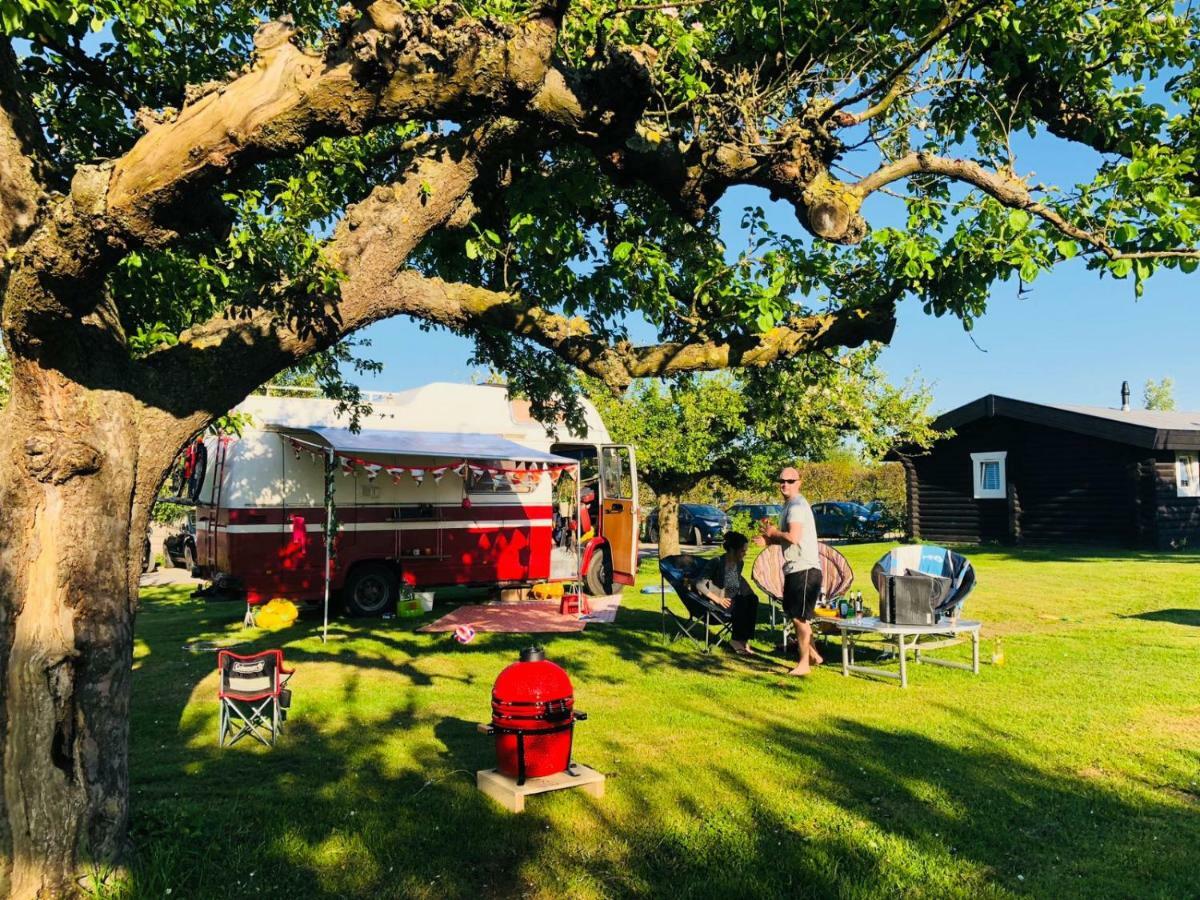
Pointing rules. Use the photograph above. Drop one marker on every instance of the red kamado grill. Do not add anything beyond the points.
(533, 717)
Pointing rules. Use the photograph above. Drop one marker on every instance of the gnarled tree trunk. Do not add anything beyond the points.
(71, 533)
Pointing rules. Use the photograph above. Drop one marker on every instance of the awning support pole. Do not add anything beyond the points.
(329, 535)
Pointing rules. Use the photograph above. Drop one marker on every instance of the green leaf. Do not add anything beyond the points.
(622, 251)
(1018, 219)
(1121, 268)
(1067, 249)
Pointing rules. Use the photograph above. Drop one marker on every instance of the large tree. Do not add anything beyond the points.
(743, 429)
(192, 201)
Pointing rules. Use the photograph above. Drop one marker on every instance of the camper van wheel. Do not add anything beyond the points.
(371, 590)
(597, 580)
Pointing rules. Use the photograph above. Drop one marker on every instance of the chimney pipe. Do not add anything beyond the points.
(1124, 396)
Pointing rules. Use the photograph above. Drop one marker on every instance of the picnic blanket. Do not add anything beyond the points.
(507, 618)
(604, 609)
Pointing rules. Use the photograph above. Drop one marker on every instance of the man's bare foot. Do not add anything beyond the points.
(815, 658)
(739, 646)
(801, 670)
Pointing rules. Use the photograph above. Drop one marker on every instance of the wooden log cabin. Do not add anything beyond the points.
(1019, 472)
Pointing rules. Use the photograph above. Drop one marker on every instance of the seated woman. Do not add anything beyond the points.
(724, 585)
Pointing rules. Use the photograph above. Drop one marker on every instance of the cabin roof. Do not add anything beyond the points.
(1149, 428)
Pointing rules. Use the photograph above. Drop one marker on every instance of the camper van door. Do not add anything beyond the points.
(618, 508)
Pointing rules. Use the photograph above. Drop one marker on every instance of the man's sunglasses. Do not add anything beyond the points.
(788, 480)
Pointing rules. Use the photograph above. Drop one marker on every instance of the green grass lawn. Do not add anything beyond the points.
(1069, 771)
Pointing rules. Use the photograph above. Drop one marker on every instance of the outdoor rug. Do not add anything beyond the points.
(604, 609)
(507, 618)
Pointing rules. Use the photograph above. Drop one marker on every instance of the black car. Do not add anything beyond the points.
(698, 524)
(180, 547)
(841, 518)
(757, 512)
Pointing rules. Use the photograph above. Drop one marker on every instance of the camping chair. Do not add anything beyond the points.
(836, 580)
(953, 570)
(682, 572)
(252, 695)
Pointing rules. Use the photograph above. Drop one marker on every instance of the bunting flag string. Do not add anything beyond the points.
(519, 473)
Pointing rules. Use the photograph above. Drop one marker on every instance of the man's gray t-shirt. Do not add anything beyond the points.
(802, 556)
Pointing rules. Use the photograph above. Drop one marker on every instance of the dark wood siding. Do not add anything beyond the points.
(1062, 487)
(1176, 519)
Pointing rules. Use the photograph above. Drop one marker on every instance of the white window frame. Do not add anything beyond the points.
(977, 460)
(1187, 474)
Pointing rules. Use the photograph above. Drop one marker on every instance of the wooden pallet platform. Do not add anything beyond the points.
(511, 796)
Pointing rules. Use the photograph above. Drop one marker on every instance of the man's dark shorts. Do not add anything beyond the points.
(800, 593)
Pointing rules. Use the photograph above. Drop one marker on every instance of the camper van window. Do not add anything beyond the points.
(617, 479)
(485, 483)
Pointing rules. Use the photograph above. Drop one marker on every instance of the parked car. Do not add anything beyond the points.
(756, 511)
(180, 547)
(840, 518)
(698, 524)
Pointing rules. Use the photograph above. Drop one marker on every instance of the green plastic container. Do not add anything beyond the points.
(409, 607)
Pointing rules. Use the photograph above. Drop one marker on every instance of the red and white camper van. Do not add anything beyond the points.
(431, 521)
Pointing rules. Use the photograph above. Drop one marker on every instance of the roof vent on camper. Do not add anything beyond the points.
(1124, 396)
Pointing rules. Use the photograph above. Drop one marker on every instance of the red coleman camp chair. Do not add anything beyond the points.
(836, 579)
(253, 698)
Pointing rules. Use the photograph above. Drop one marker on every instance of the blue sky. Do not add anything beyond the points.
(1072, 338)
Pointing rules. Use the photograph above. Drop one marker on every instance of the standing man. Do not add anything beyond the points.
(797, 535)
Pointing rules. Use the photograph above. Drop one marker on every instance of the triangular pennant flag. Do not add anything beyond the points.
(417, 474)
(395, 472)
(555, 474)
(372, 469)
(347, 465)
(439, 473)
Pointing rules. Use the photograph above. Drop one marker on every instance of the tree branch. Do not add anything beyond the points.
(21, 152)
(894, 80)
(1009, 190)
(389, 65)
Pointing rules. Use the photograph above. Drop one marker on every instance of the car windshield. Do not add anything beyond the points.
(856, 509)
(708, 512)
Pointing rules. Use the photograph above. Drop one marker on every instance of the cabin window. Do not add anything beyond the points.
(989, 477)
(1187, 478)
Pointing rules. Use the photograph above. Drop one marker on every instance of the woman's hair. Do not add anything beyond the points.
(734, 540)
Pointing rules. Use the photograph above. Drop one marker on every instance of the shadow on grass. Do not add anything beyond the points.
(1174, 616)
(857, 810)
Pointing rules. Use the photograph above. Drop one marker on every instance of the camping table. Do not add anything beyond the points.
(906, 637)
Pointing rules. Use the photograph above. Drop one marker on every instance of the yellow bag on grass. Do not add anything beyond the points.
(276, 614)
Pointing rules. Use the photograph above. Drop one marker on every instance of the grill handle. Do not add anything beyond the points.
(580, 716)
(485, 728)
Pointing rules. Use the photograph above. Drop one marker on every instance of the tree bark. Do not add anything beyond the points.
(71, 527)
(668, 524)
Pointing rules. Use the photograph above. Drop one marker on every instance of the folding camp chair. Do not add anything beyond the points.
(253, 696)
(836, 580)
(682, 572)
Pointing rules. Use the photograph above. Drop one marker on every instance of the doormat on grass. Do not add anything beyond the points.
(507, 618)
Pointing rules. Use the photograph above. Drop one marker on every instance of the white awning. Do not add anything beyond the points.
(448, 445)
